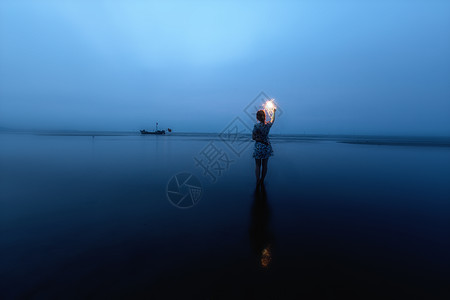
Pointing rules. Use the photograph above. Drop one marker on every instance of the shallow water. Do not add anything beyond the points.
(85, 216)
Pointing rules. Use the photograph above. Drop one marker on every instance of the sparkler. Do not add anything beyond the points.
(270, 107)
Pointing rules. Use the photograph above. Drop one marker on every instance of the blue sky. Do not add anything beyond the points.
(364, 67)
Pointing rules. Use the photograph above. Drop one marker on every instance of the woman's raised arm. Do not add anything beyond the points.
(273, 116)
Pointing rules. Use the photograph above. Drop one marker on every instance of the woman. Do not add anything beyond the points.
(263, 149)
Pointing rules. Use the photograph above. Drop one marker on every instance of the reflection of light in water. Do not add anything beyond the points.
(266, 257)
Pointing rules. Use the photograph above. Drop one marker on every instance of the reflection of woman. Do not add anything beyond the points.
(260, 236)
(263, 149)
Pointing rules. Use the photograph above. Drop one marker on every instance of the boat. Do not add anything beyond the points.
(143, 131)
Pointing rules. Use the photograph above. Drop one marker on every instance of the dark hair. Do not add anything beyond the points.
(261, 116)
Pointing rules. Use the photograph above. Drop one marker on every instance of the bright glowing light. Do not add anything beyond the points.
(270, 107)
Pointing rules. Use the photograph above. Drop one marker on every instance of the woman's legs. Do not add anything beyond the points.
(257, 169)
(264, 169)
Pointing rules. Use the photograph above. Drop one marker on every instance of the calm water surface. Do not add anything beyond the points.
(89, 217)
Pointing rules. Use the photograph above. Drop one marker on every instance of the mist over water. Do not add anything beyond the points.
(353, 67)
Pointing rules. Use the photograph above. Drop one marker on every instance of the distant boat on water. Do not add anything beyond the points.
(143, 131)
